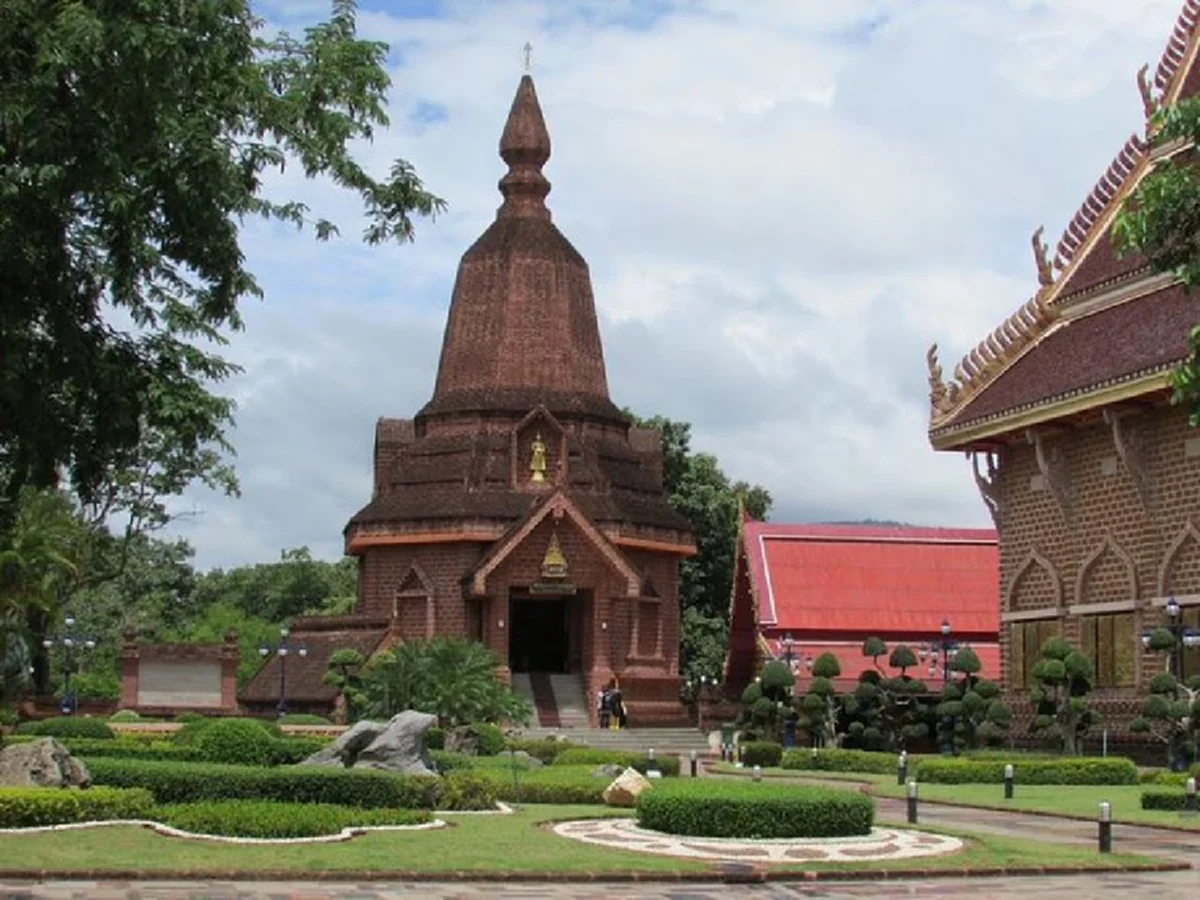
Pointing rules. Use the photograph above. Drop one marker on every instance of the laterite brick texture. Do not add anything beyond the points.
(1109, 546)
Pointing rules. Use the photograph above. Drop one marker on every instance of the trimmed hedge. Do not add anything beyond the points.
(68, 727)
(435, 738)
(265, 819)
(172, 782)
(552, 784)
(31, 807)
(596, 756)
(762, 753)
(1168, 800)
(1027, 770)
(467, 790)
(123, 748)
(837, 760)
(445, 761)
(125, 715)
(715, 808)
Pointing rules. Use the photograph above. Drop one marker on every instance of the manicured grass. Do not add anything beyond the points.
(1063, 800)
(1069, 800)
(476, 843)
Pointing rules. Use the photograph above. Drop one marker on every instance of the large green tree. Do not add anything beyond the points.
(1161, 220)
(701, 491)
(135, 138)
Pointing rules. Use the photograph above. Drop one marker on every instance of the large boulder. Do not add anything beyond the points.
(41, 763)
(350, 743)
(624, 791)
(401, 746)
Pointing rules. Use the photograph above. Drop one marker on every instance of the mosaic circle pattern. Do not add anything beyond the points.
(880, 844)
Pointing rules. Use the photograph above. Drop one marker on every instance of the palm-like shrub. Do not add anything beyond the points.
(451, 678)
(971, 711)
(1062, 679)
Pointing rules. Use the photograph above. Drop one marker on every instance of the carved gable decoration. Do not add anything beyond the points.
(556, 508)
(539, 451)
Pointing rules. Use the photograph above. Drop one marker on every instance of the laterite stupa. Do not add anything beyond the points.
(519, 507)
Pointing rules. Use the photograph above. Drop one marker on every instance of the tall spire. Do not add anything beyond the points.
(522, 329)
(525, 146)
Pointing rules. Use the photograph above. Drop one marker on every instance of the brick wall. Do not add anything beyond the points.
(1112, 543)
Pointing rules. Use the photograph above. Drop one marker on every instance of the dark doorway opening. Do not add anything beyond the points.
(537, 639)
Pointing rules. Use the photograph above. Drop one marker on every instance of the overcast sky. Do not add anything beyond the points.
(783, 203)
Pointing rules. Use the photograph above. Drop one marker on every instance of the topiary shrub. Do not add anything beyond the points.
(596, 756)
(489, 737)
(125, 715)
(762, 753)
(1032, 770)
(715, 808)
(237, 742)
(445, 761)
(465, 789)
(295, 749)
(68, 727)
(173, 782)
(33, 807)
(266, 819)
(189, 717)
(435, 739)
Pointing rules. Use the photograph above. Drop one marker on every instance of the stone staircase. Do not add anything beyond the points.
(663, 740)
(570, 701)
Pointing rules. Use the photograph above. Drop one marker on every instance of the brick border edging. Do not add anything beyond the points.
(865, 787)
(732, 874)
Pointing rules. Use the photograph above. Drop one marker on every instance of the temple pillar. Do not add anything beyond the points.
(129, 669)
(496, 627)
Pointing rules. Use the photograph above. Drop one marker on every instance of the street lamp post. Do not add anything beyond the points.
(72, 644)
(282, 649)
(947, 648)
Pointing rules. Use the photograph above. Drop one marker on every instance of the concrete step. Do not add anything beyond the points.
(570, 700)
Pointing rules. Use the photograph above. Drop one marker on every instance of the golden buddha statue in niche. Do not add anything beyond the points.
(537, 459)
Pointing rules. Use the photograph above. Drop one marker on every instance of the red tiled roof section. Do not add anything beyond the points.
(1114, 343)
(864, 580)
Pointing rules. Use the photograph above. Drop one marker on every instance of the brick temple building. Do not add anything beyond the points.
(804, 590)
(1063, 412)
(518, 507)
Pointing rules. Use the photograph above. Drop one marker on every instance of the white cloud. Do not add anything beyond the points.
(783, 204)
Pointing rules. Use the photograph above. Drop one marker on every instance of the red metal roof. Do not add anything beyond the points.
(830, 581)
(853, 663)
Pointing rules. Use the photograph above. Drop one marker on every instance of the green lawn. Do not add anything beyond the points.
(1070, 800)
(1065, 800)
(519, 842)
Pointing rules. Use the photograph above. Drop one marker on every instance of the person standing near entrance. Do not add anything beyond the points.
(604, 706)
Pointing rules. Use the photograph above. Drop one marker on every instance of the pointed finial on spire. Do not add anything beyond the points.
(528, 51)
(525, 146)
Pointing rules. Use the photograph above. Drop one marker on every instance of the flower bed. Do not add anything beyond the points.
(717, 808)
